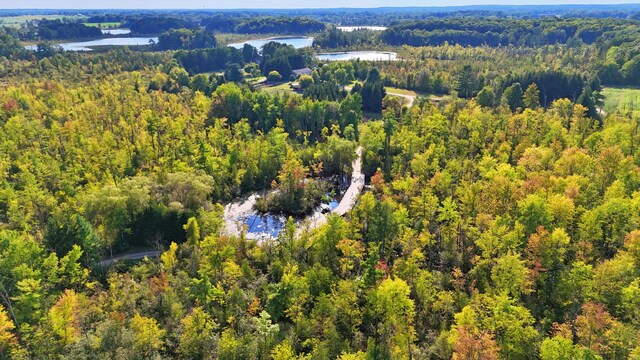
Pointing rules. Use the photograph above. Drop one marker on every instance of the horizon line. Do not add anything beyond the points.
(339, 8)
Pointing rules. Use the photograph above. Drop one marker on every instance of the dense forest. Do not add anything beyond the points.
(500, 217)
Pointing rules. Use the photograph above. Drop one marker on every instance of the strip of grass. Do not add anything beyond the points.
(393, 90)
(104, 25)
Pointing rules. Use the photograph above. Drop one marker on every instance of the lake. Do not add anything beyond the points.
(116, 31)
(362, 55)
(86, 45)
(354, 28)
(297, 42)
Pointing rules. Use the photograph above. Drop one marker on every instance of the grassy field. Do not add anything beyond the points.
(17, 21)
(621, 99)
(105, 25)
(278, 89)
(393, 90)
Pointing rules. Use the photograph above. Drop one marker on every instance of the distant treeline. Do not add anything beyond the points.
(57, 29)
(186, 39)
(553, 84)
(282, 58)
(333, 38)
(263, 25)
(275, 57)
(156, 24)
(10, 47)
(106, 18)
(225, 23)
(475, 31)
(207, 60)
(468, 31)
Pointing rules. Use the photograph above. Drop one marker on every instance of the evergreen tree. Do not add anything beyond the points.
(588, 100)
(465, 82)
(512, 96)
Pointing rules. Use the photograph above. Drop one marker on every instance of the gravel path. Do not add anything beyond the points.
(348, 200)
(133, 256)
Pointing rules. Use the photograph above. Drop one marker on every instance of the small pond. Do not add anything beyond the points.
(297, 42)
(270, 225)
(86, 45)
(116, 31)
(362, 55)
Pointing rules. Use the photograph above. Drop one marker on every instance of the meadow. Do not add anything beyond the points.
(621, 99)
(17, 21)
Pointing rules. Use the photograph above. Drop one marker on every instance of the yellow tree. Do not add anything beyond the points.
(9, 346)
(148, 336)
(65, 318)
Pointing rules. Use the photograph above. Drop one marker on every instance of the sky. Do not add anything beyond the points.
(271, 4)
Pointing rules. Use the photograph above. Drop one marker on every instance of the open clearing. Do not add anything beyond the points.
(17, 21)
(279, 89)
(621, 99)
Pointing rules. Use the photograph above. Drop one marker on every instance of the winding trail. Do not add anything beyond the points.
(133, 256)
(411, 98)
(348, 200)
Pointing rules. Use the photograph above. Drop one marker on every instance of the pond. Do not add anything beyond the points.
(297, 42)
(116, 31)
(86, 45)
(354, 28)
(264, 226)
(241, 214)
(362, 55)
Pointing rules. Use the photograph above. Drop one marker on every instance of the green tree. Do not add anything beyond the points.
(274, 76)
(531, 98)
(588, 100)
(67, 229)
(197, 338)
(148, 337)
(486, 97)
(233, 72)
(465, 83)
(513, 96)
(559, 348)
(265, 329)
(392, 307)
(305, 81)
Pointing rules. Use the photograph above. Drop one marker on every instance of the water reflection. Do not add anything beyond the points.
(297, 42)
(362, 55)
(269, 225)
